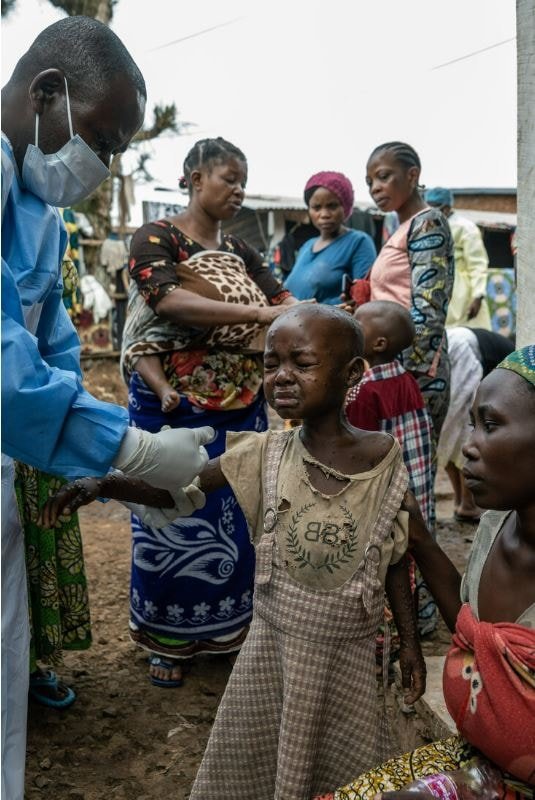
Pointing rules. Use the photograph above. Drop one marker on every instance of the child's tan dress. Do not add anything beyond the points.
(300, 712)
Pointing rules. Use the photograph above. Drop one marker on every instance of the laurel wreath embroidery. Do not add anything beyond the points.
(332, 560)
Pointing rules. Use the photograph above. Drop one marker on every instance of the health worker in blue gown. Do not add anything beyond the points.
(74, 99)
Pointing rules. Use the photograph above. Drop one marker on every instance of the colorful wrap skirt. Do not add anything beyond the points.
(193, 579)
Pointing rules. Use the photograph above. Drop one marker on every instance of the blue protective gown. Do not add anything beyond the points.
(48, 420)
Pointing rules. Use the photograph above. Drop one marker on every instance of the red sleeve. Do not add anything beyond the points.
(364, 412)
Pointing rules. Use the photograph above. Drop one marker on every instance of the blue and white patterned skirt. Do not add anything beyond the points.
(193, 579)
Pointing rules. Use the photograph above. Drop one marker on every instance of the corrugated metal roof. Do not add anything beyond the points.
(266, 202)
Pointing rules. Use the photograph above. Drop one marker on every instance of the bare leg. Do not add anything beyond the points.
(455, 477)
(468, 507)
(150, 369)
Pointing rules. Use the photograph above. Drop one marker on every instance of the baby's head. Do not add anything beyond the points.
(387, 328)
(500, 453)
(313, 355)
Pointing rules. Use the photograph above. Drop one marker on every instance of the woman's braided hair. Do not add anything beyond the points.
(403, 153)
(206, 152)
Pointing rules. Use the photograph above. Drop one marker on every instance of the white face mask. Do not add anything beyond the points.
(66, 177)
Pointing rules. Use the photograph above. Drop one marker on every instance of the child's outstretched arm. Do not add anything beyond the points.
(134, 493)
(440, 575)
(411, 659)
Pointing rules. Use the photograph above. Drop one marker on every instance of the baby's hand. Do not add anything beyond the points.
(68, 500)
(413, 672)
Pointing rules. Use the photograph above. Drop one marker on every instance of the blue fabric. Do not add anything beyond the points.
(319, 275)
(49, 420)
(439, 196)
(194, 578)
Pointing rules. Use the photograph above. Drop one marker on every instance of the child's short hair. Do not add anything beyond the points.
(393, 321)
(350, 337)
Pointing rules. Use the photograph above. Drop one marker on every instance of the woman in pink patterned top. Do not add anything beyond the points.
(414, 268)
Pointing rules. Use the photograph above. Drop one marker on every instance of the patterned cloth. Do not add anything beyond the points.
(415, 268)
(522, 362)
(157, 249)
(388, 398)
(502, 300)
(212, 367)
(442, 756)
(193, 579)
(300, 710)
(57, 586)
(455, 752)
(489, 689)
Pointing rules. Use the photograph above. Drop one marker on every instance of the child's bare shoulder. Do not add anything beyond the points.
(372, 446)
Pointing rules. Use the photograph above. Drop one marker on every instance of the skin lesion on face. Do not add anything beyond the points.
(307, 372)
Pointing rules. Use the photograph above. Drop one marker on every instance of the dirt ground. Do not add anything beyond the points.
(123, 737)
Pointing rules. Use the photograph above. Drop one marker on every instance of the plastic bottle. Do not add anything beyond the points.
(479, 780)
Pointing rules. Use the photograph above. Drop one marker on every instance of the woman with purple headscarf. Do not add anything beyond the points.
(323, 261)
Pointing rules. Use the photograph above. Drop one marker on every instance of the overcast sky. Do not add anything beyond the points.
(309, 85)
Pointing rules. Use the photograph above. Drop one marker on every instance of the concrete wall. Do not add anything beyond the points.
(487, 202)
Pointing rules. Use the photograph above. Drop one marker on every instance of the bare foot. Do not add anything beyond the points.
(170, 400)
(471, 514)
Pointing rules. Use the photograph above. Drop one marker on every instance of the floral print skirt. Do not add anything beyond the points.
(193, 579)
(441, 756)
(57, 586)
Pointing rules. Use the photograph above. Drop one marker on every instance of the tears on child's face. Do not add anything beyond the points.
(500, 453)
(303, 373)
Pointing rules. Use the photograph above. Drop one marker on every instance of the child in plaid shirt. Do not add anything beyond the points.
(388, 398)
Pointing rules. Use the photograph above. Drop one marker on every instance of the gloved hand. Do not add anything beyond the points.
(169, 459)
(186, 500)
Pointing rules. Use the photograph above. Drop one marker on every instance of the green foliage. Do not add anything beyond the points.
(7, 6)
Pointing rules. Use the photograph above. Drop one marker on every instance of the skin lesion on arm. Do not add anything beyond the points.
(118, 487)
(401, 602)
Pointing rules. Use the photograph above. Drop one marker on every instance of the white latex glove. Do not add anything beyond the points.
(169, 459)
(186, 500)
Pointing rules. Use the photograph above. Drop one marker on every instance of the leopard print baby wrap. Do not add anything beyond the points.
(212, 274)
